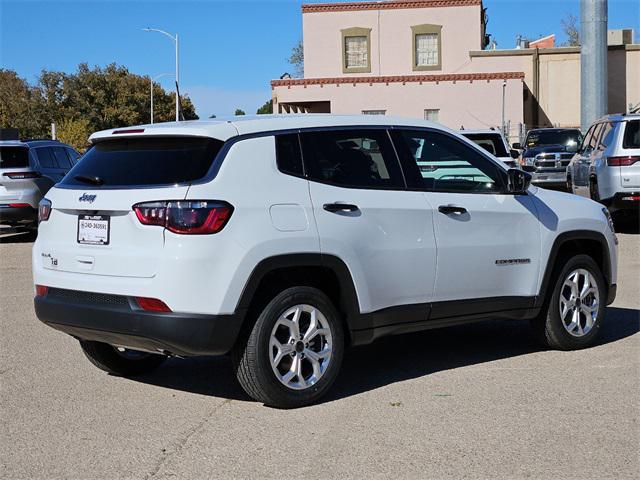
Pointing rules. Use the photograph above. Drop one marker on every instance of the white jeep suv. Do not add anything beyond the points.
(284, 240)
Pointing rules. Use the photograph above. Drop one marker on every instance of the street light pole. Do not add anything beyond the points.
(175, 41)
(152, 80)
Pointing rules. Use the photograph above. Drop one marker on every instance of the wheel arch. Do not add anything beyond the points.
(272, 275)
(570, 243)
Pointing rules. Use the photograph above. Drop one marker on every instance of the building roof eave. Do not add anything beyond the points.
(386, 5)
(445, 77)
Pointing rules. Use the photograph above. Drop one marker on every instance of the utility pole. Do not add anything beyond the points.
(593, 61)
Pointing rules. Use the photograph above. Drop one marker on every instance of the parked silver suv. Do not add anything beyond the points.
(28, 169)
(607, 166)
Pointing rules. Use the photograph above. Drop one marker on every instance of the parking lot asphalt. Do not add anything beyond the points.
(477, 401)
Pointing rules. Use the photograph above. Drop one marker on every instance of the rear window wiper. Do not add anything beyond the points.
(90, 180)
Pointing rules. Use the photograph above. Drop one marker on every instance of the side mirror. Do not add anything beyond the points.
(517, 146)
(514, 154)
(518, 181)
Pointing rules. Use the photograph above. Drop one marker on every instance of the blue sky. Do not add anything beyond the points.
(230, 50)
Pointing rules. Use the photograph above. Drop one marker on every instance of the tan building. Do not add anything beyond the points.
(425, 59)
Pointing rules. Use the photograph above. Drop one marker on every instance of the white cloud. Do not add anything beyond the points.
(223, 102)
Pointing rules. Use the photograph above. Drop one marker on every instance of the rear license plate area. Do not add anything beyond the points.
(94, 229)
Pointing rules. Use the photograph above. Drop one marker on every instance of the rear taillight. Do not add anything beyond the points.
(19, 205)
(21, 175)
(41, 290)
(152, 304)
(622, 161)
(189, 217)
(44, 210)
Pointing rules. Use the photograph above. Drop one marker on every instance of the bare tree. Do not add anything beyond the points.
(297, 59)
(570, 28)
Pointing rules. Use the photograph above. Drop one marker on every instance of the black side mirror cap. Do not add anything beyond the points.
(514, 153)
(517, 146)
(518, 180)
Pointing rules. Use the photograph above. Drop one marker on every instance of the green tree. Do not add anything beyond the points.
(21, 106)
(239, 112)
(266, 108)
(74, 132)
(296, 59)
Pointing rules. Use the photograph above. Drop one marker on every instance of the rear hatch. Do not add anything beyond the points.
(93, 228)
(630, 160)
(15, 175)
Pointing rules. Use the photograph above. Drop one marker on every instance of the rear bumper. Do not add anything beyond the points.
(121, 324)
(623, 201)
(18, 215)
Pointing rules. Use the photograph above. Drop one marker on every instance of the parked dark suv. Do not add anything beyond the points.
(547, 153)
(28, 169)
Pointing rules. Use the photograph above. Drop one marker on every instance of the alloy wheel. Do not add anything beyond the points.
(300, 347)
(579, 302)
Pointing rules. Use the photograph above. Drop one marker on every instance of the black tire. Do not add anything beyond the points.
(549, 327)
(107, 358)
(251, 358)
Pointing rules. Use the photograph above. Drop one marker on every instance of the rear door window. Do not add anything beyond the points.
(146, 161)
(14, 157)
(631, 135)
(61, 157)
(46, 158)
(73, 155)
(288, 154)
(352, 158)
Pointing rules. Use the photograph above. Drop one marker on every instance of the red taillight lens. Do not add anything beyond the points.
(152, 304)
(41, 290)
(44, 210)
(152, 213)
(19, 205)
(187, 217)
(21, 175)
(622, 161)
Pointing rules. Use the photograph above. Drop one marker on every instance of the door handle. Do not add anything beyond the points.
(449, 209)
(340, 207)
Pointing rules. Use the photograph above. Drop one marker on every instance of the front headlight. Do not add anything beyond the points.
(607, 214)
(527, 161)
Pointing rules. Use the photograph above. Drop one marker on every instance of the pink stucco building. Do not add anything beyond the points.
(426, 59)
(408, 58)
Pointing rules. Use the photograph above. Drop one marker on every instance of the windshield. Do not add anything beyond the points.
(145, 161)
(14, 157)
(571, 139)
(491, 142)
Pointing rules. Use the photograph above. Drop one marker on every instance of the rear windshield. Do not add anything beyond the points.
(14, 157)
(632, 135)
(491, 142)
(145, 161)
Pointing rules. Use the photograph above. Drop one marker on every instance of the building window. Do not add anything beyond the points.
(431, 114)
(356, 50)
(427, 47)
(374, 112)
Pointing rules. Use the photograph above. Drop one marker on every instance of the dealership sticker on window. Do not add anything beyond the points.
(93, 229)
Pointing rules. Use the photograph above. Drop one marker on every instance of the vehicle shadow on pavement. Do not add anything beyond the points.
(8, 235)
(392, 359)
(628, 224)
